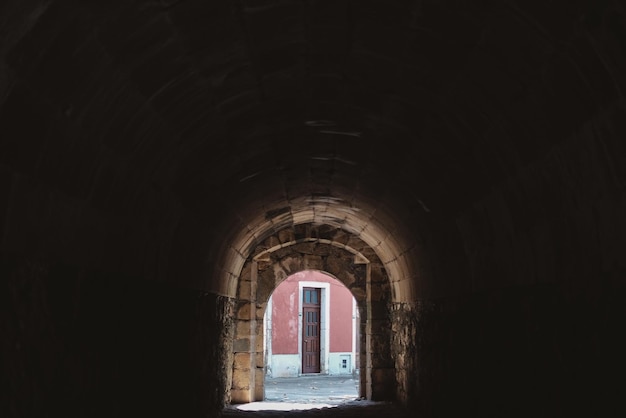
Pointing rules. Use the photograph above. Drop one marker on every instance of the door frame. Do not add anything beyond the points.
(324, 315)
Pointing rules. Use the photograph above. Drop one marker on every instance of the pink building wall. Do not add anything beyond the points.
(285, 305)
(285, 317)
(340, 317)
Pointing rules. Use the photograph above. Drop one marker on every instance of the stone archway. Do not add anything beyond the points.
(343, 256)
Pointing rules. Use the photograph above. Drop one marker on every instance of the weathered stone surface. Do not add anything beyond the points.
(242, 361)
(242, 344)
(312, 262)
(245, 310)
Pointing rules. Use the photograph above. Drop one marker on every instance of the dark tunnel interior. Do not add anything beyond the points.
(460, 166)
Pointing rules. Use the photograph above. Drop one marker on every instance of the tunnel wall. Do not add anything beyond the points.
(527, 322)
(80, 343)
(538, 332)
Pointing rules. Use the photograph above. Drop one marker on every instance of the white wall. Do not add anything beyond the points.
(335, 363)
(284, 365)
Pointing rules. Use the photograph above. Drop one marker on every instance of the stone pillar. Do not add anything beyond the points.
(245, 344)
(380, 375)
(259, 362)
(404, 342)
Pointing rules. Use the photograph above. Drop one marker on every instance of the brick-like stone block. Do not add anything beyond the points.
(245, 275)
(260, 313)
(377, 275)
(285, 235)
(259, 388)
(321, 250)
(242, 361)
(242, 328)
(291, 264)
(259, 344)
(272, 241)
(314, 262)
(245, 290)
(241, 378)
(305, 248)
(260, 359)
(241, 345)
(242, 395)
(244, 311)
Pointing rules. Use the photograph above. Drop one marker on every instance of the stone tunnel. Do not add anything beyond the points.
(459, 165)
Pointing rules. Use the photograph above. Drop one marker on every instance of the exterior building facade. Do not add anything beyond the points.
(311, 327)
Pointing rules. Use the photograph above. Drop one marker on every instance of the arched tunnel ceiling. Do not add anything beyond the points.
(368, 115)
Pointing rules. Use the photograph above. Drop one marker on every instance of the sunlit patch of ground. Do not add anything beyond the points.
(281, 406)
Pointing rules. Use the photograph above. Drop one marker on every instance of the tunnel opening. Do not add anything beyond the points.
(311, 306)
(356, 269)
(311, 329)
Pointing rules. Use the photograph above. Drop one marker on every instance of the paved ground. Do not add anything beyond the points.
(312, 389)
(313, 396)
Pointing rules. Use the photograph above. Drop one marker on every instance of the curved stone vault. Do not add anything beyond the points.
(460, 164)
(339, 254)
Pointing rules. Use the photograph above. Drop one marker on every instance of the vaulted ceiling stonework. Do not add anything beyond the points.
(470, 154)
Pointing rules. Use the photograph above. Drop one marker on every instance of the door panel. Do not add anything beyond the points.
(311, 330)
